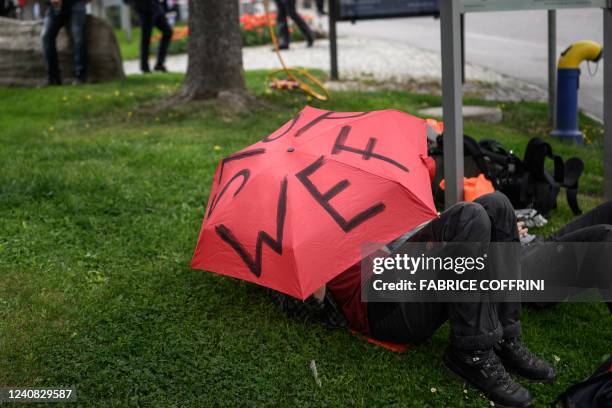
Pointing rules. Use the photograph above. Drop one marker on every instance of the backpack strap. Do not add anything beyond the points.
(573, 170)
(536, 153)
(559, 172)
(566, 174)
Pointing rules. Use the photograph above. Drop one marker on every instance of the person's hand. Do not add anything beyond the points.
(523, 230)
(320, 293)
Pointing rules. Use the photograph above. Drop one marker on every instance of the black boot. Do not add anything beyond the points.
(310, 41)
(52, 81)
(484, 370)
(523, 362)
(160, 67)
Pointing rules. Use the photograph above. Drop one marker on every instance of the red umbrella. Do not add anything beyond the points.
(296, 209)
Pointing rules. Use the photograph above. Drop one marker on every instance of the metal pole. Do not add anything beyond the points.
(450, 26)
(333, 39)
(552, 67)
(607, 37)
(463, 48)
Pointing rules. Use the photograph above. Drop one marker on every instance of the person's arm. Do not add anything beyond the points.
(320, 294)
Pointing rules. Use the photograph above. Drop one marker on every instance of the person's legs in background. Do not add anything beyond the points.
(53, 22)
(283, 25)
(575, 267)
(299, 21)
(601, 214)
(162, 24)
(146, 26)
(320, 7)
(78, 29)
(541, 260)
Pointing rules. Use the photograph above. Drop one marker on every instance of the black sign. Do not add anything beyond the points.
(373, 9)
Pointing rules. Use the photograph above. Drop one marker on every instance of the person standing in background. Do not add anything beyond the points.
(58, 14)
(152, 13)
(320, 7)
(284, 8)
(7, 8)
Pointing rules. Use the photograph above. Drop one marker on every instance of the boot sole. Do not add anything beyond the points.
(530, 380)
(449, 365)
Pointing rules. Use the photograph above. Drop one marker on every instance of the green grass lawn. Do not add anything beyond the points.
(101, 201)
(129, 49)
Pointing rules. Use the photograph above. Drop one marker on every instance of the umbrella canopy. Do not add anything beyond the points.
(294, 210)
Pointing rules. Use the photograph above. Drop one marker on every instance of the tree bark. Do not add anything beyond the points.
(215, 50)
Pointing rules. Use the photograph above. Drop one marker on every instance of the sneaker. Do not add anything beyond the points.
(484, 370)
(517, 358)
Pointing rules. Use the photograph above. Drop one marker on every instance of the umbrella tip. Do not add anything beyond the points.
(291, 149)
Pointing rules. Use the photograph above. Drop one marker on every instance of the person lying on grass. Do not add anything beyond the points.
(485, 337)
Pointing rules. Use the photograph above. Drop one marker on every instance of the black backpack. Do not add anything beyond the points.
(526, 182)
(594, 392)
(539, 188)
(474, 163)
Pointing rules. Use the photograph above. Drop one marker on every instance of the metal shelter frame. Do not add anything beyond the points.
(452, 103)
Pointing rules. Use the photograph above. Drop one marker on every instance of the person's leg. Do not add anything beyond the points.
(283, 26)
(592, 269)
(78, 29)
(599, 215)
(162, 24)
(510, 349)
(302, 25)
(320, 7)
(504, 229)
(146, 26)
(53, 22)
(574, 267)
(475, 326)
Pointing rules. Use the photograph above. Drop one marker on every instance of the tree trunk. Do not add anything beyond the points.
(215, 49)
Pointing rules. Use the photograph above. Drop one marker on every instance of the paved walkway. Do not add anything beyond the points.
(378, 60)
(512, 43)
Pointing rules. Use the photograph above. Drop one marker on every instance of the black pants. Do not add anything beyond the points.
(287, 8)
(320, 6)
(148, 20)
(551, 262)
(75, 13)
(474, 325)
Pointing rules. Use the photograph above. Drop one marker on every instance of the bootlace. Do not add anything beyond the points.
(493, 366)
(517, 346)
